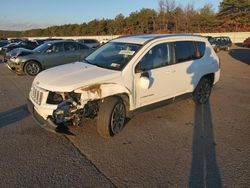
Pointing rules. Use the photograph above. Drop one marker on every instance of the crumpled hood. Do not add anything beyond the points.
(66, 78)
(19, 52)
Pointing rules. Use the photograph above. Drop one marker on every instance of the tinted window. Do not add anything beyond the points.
(158, 56)
(88, 41)
(201, 47)
(184, 51)
(82, 47)
(70, 46)
(55, 48)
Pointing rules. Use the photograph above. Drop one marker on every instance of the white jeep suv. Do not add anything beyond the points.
(122, 77)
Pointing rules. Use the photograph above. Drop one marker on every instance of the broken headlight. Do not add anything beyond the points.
(58, 97)
(54, 98)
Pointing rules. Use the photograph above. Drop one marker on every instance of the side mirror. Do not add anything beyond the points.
(138, 68)
(144, 80)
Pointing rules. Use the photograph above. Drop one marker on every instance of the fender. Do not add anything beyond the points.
(103, 90)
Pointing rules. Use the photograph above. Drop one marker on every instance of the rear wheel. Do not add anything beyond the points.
(111, 117)
(202, 91)
(32, 68)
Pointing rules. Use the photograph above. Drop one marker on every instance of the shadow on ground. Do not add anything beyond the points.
(204, 170)
(242, 54)
(13, 115)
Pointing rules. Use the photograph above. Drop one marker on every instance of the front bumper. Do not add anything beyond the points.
(17, 68)
(47, 124)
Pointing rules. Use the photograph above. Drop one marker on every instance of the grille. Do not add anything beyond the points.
(36, 95)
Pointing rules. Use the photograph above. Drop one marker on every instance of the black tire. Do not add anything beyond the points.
(202, 91)
(111, 117)
(32, 68)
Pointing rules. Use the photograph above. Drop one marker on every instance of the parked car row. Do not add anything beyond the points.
(31, 57)
(220, 43)
(49, 54)
(224, 43)
(8, 45)
(11, 44)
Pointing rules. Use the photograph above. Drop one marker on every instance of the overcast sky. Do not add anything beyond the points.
(27, 14)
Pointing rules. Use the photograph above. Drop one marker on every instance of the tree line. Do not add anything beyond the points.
(233, 16)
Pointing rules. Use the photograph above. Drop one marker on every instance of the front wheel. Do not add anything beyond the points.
(32, 68)
(202, 91)
(111, 117)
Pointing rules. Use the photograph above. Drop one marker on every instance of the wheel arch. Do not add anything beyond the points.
(125, 99)
(34, 60)
(209, 76)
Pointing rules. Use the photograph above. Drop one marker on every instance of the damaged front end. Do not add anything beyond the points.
(71, 108)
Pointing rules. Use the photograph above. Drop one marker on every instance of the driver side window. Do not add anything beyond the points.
(55, 48)
(156, 57)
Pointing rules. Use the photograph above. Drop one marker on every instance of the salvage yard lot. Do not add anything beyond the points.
(178, 145)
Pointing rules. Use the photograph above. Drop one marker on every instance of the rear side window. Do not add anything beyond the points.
(201, 47)
(70, 46)
(82, 47)
(89, 41)
(184, 51)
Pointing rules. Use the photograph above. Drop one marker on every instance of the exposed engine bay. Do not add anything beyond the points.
(71, 109)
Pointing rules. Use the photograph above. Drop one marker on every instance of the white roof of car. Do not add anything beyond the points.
(141, 39)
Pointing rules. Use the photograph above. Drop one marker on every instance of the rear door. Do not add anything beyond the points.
(72, 53)
(187, 66)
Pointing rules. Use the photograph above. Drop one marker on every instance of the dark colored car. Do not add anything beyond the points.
(3, 43)
(24, 44)
(41, 41)
(16, 40)
(221, 43)
(92, 43)
(47, 55)
(246, 42)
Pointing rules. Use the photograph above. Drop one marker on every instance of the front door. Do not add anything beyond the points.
(54, 55)
(157, 66)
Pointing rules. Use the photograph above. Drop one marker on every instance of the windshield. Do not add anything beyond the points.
(113, 55)
(42, 47)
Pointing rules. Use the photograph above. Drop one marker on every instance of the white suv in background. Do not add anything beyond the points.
(124, 76)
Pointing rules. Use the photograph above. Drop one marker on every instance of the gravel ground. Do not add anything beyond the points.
(178, 145)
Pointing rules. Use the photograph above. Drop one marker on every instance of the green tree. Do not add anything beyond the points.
(234, 15)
